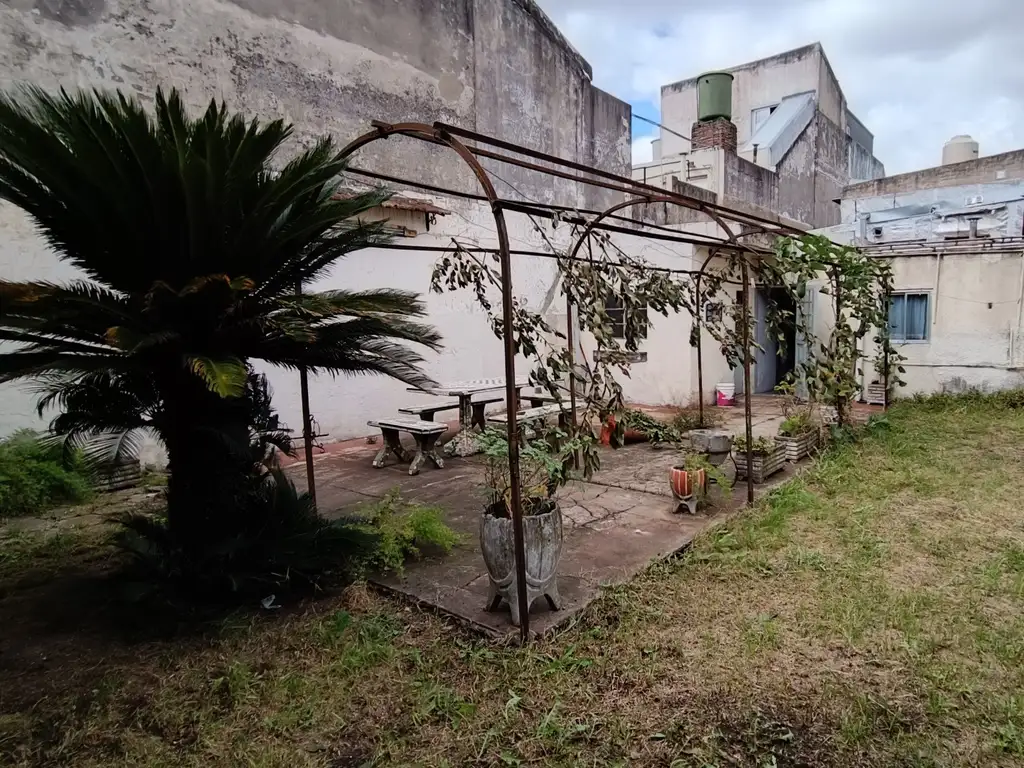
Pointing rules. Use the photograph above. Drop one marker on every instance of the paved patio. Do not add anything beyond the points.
(615, 525)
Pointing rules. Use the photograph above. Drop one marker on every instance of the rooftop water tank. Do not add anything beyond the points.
(959, 149)
(714, 96)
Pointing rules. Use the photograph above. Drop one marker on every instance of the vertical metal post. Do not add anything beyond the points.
(886, 348)
(748, 421)
(307, 424)
(569, 339)
(700, 353)
(837, 290)
(518, 536)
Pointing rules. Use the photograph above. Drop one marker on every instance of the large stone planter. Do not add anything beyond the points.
(688, 486)
(800, 445)
(713, 443)
(543, 539)
(764, 465)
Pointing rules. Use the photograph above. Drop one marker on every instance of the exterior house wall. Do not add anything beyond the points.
(975, 295)
(801, 186)
(974, 315)
(757, 84)
(496, 66)
(1007, 166)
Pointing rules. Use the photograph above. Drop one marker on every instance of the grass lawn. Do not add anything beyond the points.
(871, 613)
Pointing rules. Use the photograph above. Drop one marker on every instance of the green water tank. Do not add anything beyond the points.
(714, 96)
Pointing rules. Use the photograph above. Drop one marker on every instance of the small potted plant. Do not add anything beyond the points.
(769, 456)
(542, 470)
(798, 434)
(689, 480)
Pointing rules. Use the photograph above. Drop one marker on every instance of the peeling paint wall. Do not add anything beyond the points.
(974, 315)
(495, 66)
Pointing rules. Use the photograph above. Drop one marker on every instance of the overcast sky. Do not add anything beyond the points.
(916, 72)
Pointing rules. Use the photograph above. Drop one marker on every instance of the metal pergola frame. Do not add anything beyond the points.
(472, 147)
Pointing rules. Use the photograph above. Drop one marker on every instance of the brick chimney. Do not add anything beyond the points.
(714, 134)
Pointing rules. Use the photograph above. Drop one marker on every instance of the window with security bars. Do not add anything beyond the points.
(616, 309)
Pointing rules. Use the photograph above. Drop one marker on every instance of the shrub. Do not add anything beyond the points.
(760, 446)
(36, 475)
(279, 542)
(653, 429)
(402, 529)
(688, 418)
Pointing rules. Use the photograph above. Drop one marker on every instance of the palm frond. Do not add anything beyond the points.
(225, 376)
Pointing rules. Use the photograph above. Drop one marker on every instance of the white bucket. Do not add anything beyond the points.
(726, 393)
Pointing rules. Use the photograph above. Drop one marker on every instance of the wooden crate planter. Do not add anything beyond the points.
(799, 446)
(765, 465)
(875, 394)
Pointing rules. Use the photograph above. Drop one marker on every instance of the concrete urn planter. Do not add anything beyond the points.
(542, 535)
(715, 444)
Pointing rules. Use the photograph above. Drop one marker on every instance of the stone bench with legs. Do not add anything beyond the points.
(425, 433)
(426, 411)
(531, 416)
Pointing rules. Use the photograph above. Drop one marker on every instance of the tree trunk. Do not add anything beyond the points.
(209, 463)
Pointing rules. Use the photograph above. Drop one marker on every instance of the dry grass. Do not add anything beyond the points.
(868, 614)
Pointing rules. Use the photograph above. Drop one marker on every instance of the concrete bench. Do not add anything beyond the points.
(425, 433)
(538, 397)
(426, 411)
(532, 416)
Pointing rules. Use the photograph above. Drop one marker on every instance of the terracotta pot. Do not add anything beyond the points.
(687, 485)
(542, 536)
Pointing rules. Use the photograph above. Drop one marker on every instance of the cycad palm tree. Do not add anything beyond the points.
(192, 249)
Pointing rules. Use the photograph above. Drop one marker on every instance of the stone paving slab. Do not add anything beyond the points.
(614, 527)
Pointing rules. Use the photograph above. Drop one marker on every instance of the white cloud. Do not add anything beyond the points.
(916, 72)
(642, 151)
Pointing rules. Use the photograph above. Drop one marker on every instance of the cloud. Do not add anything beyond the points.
(642, 151)
(916, 72)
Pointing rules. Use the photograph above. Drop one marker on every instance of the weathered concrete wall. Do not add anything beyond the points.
(754, 184)
(830, 170)
(331, 67)
(756, 84)
(974, 334)
(974, 324)
(831, 100)
(497, 66)
(862, 165)
(994, 168)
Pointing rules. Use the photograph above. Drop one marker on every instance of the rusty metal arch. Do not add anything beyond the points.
(732, 244)
(438, 135)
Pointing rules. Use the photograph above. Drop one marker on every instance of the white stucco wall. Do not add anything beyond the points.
(343, 405)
